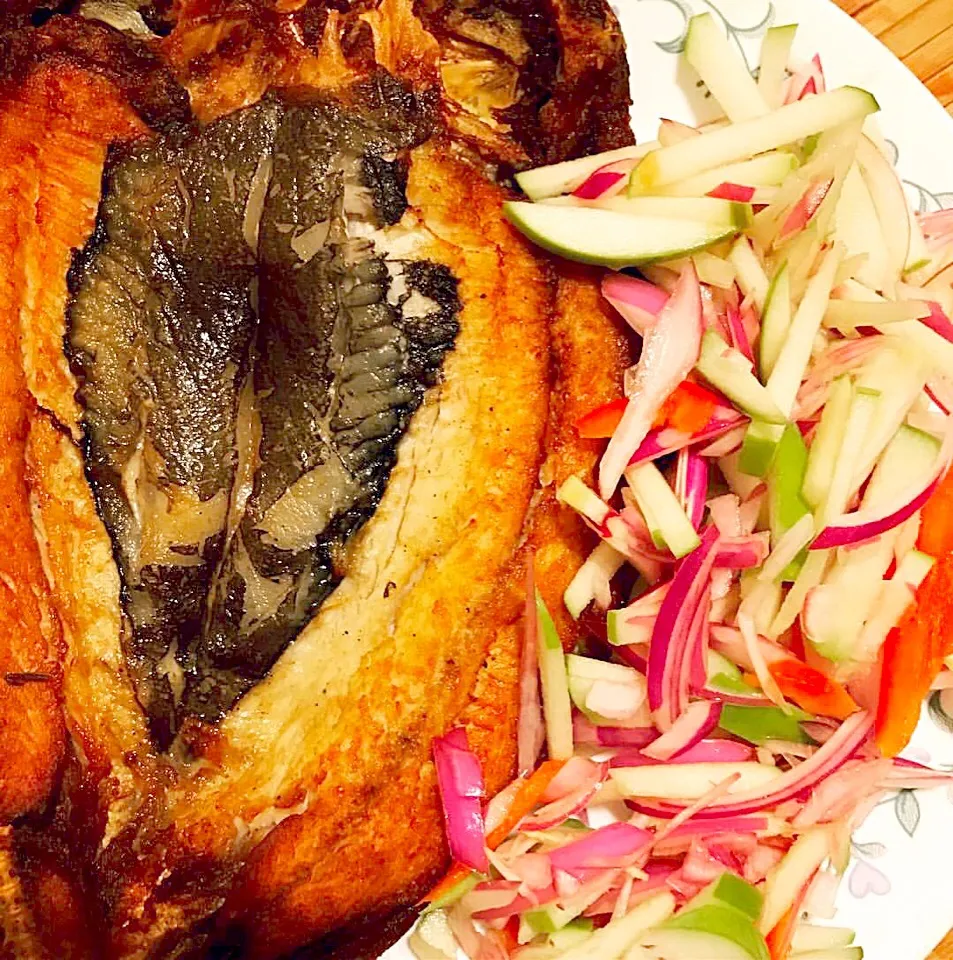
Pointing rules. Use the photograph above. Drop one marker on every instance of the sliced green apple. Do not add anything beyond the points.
(731, 891)
(811, 937)
(557, 709)
(730, 372)
(775, 321)
(835, 953)
(785, 480)
(775, 53)
(725, 928)
(740, 141)
(786, 880)
(689, 781)
(614, 939)
(661, 507)
(722, 69)
(759, 447)
(827, 442)
(709, 210)
(557, 178)
(764, 170)
(610, 238)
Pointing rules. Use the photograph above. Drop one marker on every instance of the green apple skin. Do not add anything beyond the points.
(759, 447)
(731, 891)
(720, 922)
(785, 480)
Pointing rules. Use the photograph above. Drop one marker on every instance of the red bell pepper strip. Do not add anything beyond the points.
(688, 410)
(913, 652)
(812, 689)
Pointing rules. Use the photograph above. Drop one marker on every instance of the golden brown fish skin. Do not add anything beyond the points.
(275, 888)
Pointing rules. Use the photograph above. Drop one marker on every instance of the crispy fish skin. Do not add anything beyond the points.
(241, 843)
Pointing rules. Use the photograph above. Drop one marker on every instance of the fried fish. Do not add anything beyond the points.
(285, 401)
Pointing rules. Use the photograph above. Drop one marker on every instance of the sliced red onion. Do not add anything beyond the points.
(730, 643)
(609, 846)
(577, 772)
(938, 321)
(661, 442)
(742, 553)
(632, 658)
(739, 336)
(698, 720)
(910, 775)
(693, 669)
(560, 810)
(669, 352)
(737, 192)
(867, 524)
(691, 485)
(531, 732)
(626, 736)
(637, 301)
(460, 780)
(716, 825)
(725, 444)
(672, 633)
(792, 783)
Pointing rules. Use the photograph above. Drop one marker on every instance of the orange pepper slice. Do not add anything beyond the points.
(812, 689)
(913, 652)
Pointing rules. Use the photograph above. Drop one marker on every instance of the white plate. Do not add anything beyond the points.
(898, 894)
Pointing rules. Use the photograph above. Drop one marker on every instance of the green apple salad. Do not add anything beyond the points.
(689, 779)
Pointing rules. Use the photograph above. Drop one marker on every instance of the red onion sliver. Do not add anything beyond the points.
(830, 757)
(669, 352)
(661, 442)
(672, 633)
(609, 846)
(691, 484)
(461, 787)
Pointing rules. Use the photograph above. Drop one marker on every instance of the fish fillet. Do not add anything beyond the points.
(281, 487)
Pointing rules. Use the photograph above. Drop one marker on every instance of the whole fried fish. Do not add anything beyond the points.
(285, 400)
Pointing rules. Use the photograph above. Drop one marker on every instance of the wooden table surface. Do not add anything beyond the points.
(920, 32)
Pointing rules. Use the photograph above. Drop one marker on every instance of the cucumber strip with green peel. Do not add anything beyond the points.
(722, 69)
(741, 141)
(557, 178)
(775, 321)
(792, 361)
(730, 372)
(775, 54)
(609, 238)
(662, 510)
(827, 441)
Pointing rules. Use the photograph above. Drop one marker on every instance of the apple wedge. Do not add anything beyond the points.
(610, 238)
(741, 141)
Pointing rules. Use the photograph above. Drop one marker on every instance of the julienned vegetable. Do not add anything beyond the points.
(769, 599)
